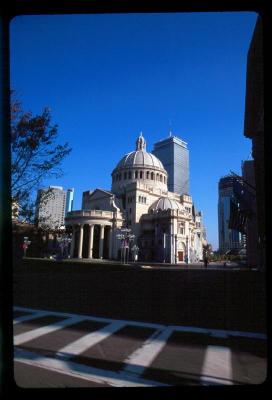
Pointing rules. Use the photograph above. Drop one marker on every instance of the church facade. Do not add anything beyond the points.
(165, 226)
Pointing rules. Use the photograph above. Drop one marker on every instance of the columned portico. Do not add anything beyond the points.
(93, 233)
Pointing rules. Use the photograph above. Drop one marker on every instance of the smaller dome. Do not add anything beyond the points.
(164, 203)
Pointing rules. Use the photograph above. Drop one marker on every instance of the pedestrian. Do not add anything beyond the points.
(205, 262)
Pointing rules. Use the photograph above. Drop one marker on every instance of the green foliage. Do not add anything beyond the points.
(35, 154)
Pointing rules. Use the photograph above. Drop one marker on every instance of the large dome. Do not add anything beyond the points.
(140, 158)
(164, 203)
(139, 166)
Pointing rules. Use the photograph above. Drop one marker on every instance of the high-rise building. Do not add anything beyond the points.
(254, 130)
(174, 155)
(248, 174)
(69, 200)
(229, 239)
(50, 207)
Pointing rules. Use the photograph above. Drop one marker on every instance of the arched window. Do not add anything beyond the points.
(160, 178)
(157, 178)
(147, 175)
(136, 174)
(129, 175)
(152, 176)
(125, 175)
(181, 229)
(141, 174)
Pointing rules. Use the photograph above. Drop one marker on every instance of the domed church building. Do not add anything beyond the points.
(166, 226)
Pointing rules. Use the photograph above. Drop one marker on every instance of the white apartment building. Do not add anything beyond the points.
(50, 207)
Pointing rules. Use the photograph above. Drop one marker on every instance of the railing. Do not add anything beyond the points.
(90, 213)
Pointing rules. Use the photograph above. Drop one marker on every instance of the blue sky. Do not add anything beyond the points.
(108, 77)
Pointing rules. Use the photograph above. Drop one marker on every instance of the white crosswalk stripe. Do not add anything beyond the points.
(35, 333)
(217, 366)
(143, 357)
(82, 344)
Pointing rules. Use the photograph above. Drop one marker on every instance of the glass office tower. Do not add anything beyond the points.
(69, 200)
(229, 239)
(174, 155)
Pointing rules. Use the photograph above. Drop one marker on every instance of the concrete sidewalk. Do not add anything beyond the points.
(146, 265)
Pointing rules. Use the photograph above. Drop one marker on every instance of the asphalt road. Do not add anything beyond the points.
(129, 326)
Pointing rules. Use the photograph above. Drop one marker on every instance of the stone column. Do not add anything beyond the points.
(101, 241)
(110, 242)
(90, 244)
(80, 241)
(72, 249)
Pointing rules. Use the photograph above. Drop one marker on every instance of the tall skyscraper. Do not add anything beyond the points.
(229, 239)
(50, 207)
(174, 155)
(254, 130)
(69, 200)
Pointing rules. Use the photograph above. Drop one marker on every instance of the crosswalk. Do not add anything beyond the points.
(133, 353)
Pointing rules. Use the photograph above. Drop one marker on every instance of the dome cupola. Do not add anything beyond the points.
(140, 143)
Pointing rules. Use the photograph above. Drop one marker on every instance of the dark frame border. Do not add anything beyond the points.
(35, 7)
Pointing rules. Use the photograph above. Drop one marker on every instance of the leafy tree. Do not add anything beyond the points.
(35, 155)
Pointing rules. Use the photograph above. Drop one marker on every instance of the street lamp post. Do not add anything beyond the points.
(135, 250)
(176, 248)
(164, 247)
(26, 244)
(126, 237)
